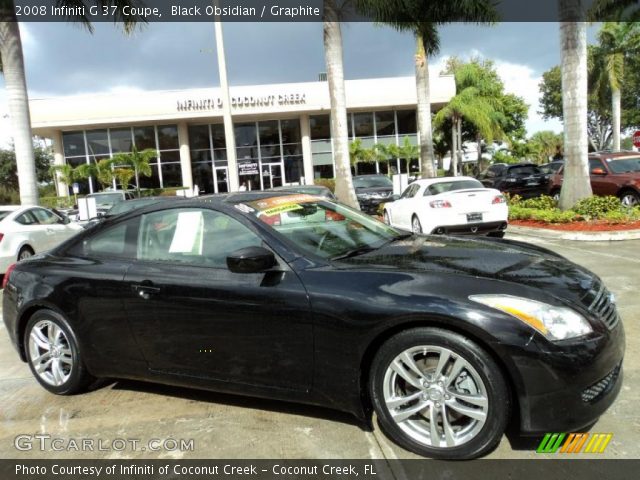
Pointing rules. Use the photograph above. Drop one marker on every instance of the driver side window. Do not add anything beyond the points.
(192, 236)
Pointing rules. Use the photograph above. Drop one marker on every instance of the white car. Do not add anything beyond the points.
(449, 205)
(25, 231)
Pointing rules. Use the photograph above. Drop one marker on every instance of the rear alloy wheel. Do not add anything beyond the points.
(439, 394)
(630, 199)
(53, 354)
(416, 227)
(24, 253)
(385, 217)
(556, 195)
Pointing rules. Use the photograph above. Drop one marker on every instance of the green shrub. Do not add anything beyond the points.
(512, 199)
(9, 196)
(543, 202)
(57, 202)
(597, 207)
(552, 215)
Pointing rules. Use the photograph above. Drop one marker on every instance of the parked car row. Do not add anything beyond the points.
(611, 173)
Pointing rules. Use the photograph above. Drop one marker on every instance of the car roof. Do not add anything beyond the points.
(614, 154)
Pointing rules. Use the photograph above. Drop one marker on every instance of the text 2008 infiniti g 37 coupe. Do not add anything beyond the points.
(297, 298)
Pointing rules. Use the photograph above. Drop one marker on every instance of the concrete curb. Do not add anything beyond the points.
(578, 236)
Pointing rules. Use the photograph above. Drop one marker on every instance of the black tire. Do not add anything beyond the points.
(555, 195)
(416, 226)
(25, 252)
(486, 434)
(496, 234)
(76, 376)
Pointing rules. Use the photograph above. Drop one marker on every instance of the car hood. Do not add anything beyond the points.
(500, 260)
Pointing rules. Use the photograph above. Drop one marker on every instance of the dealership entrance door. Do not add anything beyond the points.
(271, 175)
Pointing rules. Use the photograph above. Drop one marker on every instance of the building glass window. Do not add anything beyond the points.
(145, 137)
(406, 122)
(319, 127)
(98, 142)
(121, 140)
(73, 143)
(246, 141)
(363, 124)
(199, 137)
(171, 169)
(385, 124)
(269, 141)
(168, 137)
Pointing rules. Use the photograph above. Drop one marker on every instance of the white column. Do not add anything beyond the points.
(307, 157)
(58, 159)
(185, 155)
(232, 171)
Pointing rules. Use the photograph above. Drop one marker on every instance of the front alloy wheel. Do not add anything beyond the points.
(438, 394)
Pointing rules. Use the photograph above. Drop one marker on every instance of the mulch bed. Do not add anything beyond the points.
(594, 226)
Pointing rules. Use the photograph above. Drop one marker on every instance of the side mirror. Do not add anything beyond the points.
(598, 171)
(66, 220)
(394, 197)
(251, 260)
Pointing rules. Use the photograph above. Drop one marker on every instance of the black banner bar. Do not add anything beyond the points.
(543, 468)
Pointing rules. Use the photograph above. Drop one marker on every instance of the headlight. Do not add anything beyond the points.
(555, 323)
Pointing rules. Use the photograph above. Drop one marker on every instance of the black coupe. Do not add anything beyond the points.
(297, 298)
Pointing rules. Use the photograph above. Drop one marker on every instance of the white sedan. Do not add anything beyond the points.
(449, 205)
(25, 231)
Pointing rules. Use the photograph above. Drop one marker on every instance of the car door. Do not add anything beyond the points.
(600, 184)
(402, 208)
(56, 231)
(31, 232)
(192, 316)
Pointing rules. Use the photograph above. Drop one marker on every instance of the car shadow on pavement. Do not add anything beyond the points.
(255, 403)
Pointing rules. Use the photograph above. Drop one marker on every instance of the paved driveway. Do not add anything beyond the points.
(225, 426)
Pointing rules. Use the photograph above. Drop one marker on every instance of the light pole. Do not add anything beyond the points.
(230, 139)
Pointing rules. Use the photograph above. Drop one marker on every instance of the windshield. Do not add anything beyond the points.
(442, 187)
(321, 227)
(372, 182)
(624, 165)
(106, 199)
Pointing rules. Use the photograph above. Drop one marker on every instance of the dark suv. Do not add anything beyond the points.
(524, 179)
(615, 174)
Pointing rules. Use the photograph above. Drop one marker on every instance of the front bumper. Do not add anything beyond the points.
(569, 387)
(370, 205)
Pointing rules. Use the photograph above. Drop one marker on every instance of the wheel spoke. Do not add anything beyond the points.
(39, 339)
(479, 415)
(54, 332)
(396, 402)
(402, 415)
(433, 426)
(42, 358)
(56, 370)
(41, 367)
(442, 363)
(399, 367)
(449, 434)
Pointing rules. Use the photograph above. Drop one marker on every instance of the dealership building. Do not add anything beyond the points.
(282, 132)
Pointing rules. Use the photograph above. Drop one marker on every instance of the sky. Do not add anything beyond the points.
(64, 59)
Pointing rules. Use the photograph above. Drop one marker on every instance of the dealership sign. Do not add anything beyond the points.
(242, 101)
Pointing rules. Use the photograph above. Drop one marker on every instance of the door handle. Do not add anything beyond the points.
(145, 291)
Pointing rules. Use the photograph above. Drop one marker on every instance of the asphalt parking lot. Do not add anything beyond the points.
(223, 426)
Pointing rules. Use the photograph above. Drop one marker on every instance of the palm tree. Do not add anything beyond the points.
(617, 41)
(423, 18)
(478, 102)
(332, 35)
(65, 174)
(16, 85)
(123, 175)
(139, 161)
(630, 9)
(576, 183)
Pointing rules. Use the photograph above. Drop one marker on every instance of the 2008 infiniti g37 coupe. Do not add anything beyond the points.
(298, 298)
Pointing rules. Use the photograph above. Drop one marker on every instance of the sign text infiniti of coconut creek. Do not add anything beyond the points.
(246, 101)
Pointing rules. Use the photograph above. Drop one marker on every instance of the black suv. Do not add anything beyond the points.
(524, 179)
